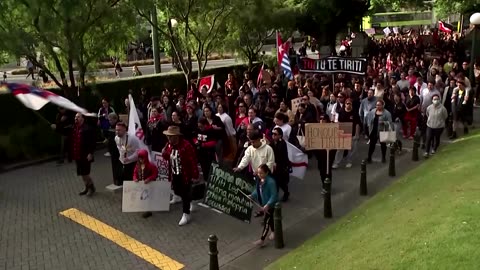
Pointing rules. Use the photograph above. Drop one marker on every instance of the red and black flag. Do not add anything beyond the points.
(445, 27)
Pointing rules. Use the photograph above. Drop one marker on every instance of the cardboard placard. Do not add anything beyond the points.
(328, 136)
(123, 118)
(141, 197)
(162, 166)
(295, 103)
(224, 193)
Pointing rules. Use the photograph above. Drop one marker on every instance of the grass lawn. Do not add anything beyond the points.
(428, 219)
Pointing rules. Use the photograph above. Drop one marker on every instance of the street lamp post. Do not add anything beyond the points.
(155, 42)
(475, 20)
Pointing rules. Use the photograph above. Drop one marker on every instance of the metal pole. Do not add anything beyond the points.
(277, 219)
(213, 252)
(472, 55)
(327, 200)
(363, 179)
(155, 43)
(391, 167)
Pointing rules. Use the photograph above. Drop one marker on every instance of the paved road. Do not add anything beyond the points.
(146, 70)
(35, 236)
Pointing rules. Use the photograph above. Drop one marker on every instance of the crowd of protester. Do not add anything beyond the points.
(245, 125)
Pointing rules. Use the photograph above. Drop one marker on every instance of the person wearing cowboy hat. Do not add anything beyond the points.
(183, 169)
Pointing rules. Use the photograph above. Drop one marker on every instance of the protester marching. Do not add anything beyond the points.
(236, 145)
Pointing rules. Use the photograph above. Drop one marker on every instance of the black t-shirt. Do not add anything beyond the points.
(351, 116)
(412, 102)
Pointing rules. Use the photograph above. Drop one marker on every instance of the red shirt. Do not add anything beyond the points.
(77, 141)
(188, 160)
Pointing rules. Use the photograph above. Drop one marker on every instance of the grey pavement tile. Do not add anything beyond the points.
(31, 228)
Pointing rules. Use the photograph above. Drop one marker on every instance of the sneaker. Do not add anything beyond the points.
(271, 236)
(107, 154)
(425, 155)
(175, 199)
(259, 243)
(349, 165)
(185, 219)
(335, 166)
(192, 207)
(432, 152)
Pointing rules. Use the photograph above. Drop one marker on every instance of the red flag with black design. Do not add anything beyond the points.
(445, 27)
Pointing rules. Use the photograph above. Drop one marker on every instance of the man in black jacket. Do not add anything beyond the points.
(83, 147)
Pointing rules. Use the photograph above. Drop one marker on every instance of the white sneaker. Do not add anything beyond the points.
(107, 154)
(192, 207)
(433, 152)
(349, 165)
(425, 155)
(335, 166)
(185, 219)
(175, 199)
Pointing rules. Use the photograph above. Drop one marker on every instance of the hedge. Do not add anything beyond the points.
(25, 134)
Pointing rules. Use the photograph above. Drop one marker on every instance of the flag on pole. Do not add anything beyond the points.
(282, 57)
(298, 161)
(208, 82)
(135, 127)
(389, 62)
(35, 98)
(445, 27)
(260, 76)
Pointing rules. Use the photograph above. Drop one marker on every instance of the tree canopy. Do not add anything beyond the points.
(324, 19)
(194, 28)
(60, 36)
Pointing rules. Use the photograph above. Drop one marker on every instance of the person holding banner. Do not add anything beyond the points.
(205, 143)
(145, 171)
(183, 168)
(127, 147)
(265, 193)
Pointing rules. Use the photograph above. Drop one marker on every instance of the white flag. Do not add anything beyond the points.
(298, 161)
(135, 127)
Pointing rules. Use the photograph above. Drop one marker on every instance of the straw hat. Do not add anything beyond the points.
(172, 131)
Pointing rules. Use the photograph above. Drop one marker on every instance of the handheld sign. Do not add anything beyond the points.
(328, 136)
(224, 193)
(295, 103)
(141, 197)
(333, 64)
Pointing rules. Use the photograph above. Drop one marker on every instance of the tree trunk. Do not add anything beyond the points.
(82, 69)
(71, 75)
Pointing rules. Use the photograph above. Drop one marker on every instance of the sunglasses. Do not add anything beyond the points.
(348, 103)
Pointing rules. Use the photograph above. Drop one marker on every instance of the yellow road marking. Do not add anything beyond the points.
(141, 250)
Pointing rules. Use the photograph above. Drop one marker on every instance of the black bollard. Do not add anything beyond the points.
(277, 219)
(213, 252)
(416, 144)
(363, 179)
(391, 166)
(327, 200)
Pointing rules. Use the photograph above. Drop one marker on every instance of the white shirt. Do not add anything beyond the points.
(333, 112)
(127, 149)
(424, 85)
(227, 121)
(286, 128)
